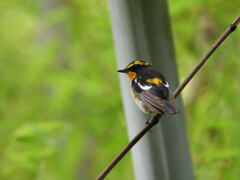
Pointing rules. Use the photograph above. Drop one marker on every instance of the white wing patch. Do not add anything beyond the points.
(145, 87)
(167, 85)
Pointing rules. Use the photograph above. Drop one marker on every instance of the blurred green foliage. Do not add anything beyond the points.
(61, 112)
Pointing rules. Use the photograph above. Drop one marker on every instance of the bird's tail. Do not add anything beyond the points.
(170, 108)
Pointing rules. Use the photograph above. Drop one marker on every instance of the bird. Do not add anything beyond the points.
(149, 88)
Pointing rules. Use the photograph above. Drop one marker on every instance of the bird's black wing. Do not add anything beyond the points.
(150, 100)
(153, 91)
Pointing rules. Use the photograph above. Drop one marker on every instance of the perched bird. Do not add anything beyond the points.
(149, 90)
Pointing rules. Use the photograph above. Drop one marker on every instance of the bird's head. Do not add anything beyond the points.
(133, 68)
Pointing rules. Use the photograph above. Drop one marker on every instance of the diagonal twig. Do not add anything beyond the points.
(156, 118)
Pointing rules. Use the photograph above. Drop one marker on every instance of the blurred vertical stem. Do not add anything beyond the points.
(141, 30)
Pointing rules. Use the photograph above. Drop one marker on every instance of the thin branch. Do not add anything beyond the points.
(228, 31)
(156, 118)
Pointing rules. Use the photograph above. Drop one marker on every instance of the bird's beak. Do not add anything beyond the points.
(123, 71)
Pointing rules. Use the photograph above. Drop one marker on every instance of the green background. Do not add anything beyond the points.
(61, 115)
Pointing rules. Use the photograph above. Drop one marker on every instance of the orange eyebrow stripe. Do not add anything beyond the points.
(156, 81)
(137, 62)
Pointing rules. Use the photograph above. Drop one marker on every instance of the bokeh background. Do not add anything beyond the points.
(61, 115)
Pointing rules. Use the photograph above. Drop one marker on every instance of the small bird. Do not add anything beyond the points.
(149, 90)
